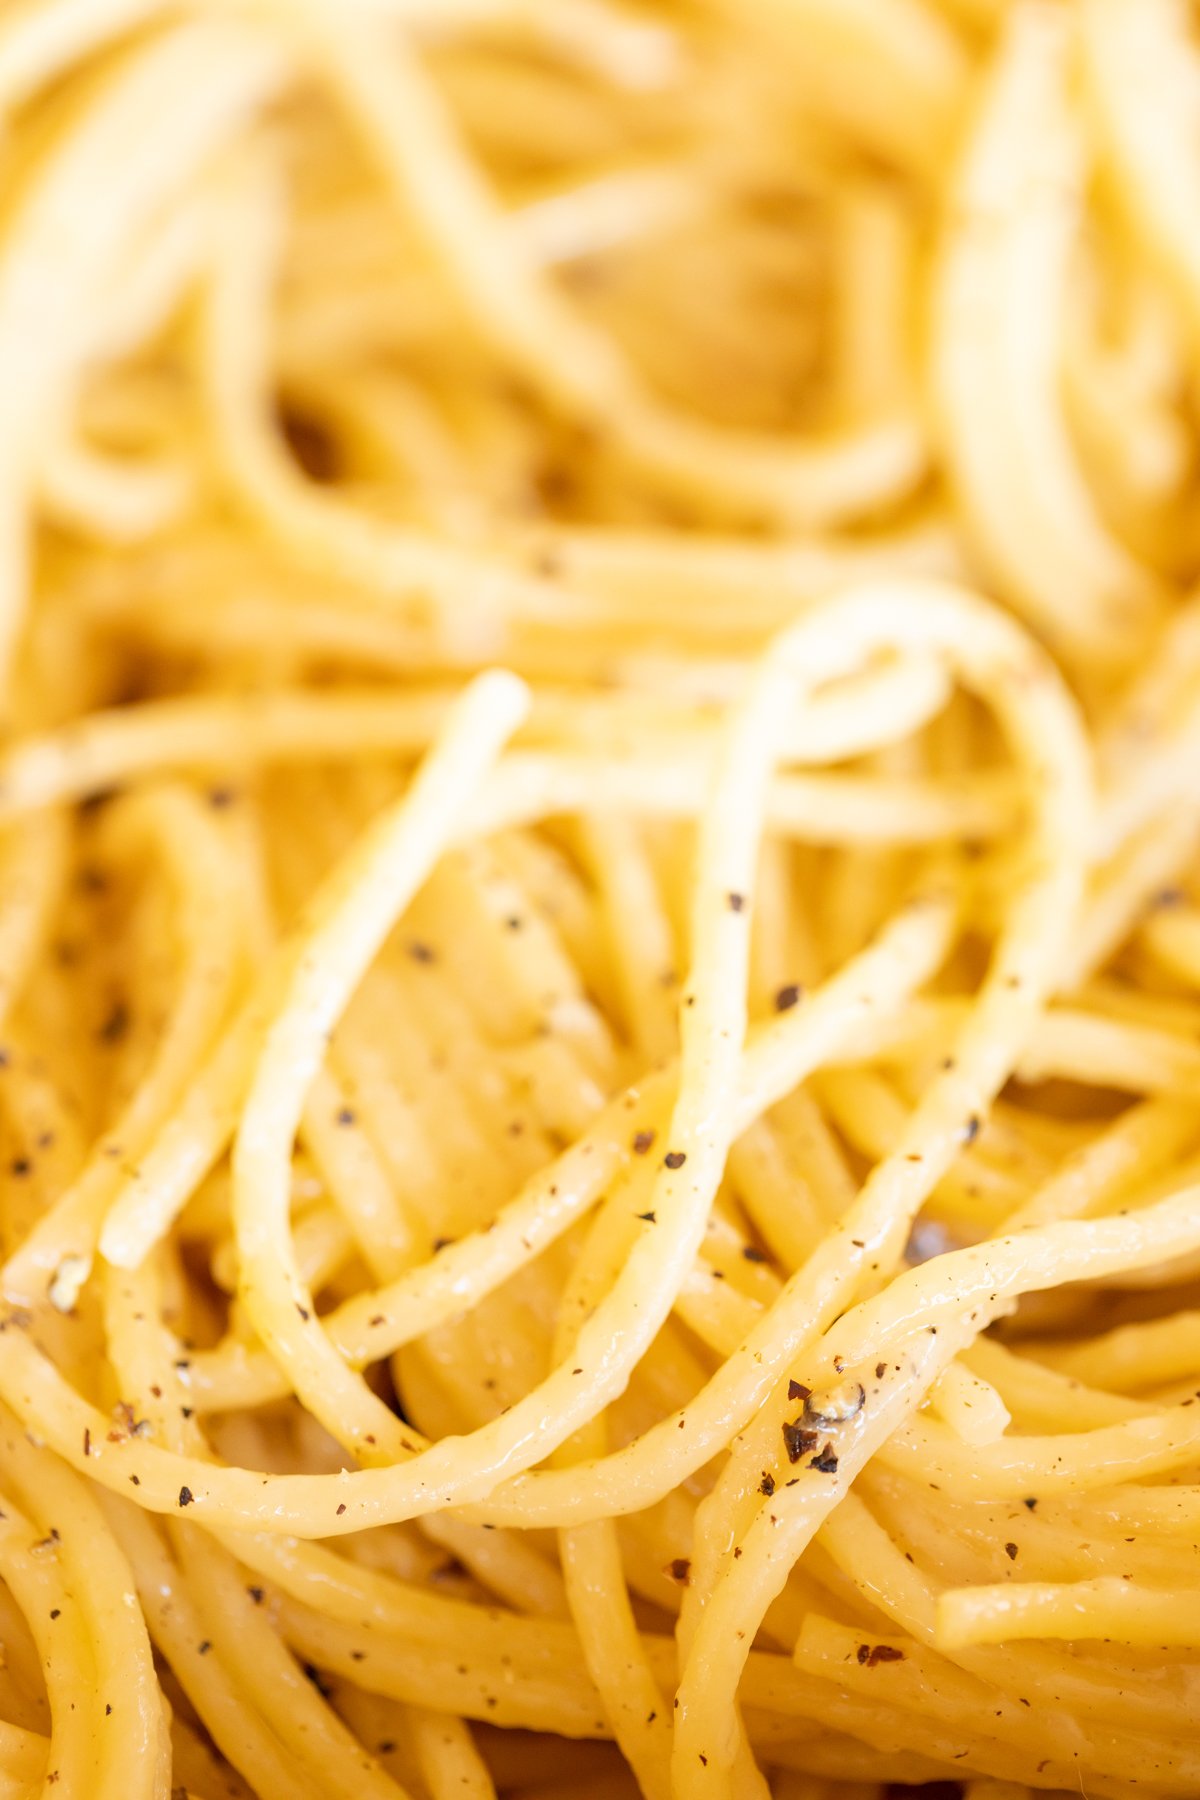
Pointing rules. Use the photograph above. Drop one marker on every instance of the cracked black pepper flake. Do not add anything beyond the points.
(836, 1405)
(20, 1165)
(186, 1496)
(679, 1569)
(767, 1484)
(341, 1508)
(422, 953)
(798, 1441)
(798, 1391)
(871, 1654)
(675, 1159)
(346, 1115)
(1031, 1504)
(826, 1461)
(737, 902)
(257, 1594)
(649, 1218)
(1010, 1550)
(788, 996)
(753, 1254)
(642, 1141)
(126, 1421)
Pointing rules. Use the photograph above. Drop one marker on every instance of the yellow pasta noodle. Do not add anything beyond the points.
(599, 906)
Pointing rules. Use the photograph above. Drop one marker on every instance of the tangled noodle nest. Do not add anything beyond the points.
(600, 791)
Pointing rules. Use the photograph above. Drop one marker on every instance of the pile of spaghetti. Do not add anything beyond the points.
(599, 907)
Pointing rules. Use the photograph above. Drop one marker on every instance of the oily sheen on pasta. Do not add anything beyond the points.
(599, 927)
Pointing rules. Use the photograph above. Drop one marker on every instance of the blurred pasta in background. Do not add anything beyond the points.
(599, 927)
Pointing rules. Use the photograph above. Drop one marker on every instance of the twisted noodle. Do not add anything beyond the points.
(599, 940)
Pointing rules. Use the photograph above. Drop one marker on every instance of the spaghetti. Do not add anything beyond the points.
(599, 941)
